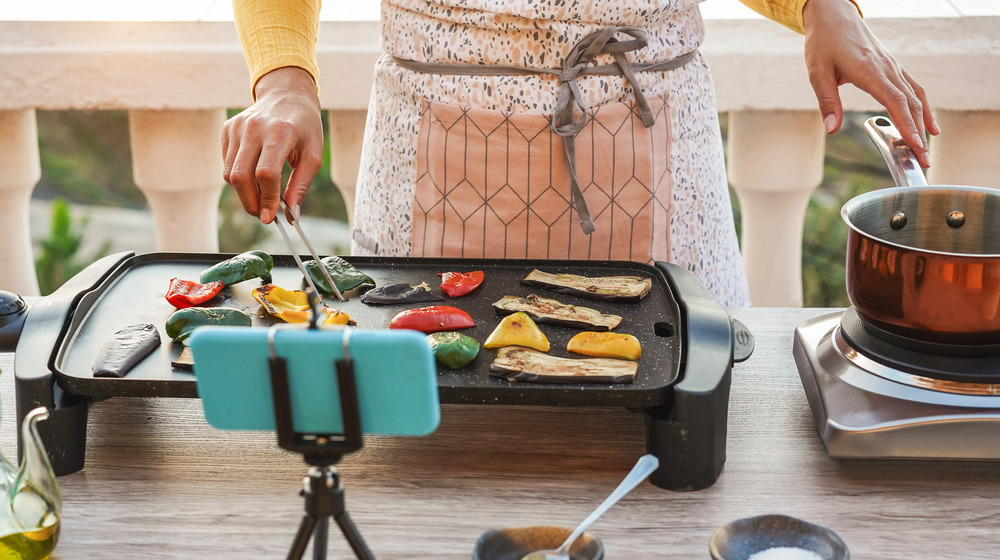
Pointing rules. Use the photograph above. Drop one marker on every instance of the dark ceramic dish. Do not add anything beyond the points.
(513, 543)
(745, 537)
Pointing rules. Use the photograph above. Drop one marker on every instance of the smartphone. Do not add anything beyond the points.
(394, 372)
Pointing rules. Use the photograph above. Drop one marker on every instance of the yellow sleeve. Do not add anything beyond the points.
(785, 12)
(277, 33)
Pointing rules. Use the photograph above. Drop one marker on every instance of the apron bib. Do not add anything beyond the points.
(497, 184)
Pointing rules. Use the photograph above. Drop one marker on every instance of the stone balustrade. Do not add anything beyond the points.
(176, 67)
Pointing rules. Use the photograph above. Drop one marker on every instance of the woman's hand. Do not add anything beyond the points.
(841, 49)
(284, 124)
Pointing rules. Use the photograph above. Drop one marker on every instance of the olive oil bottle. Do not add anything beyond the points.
(30, 501)
(36, 545)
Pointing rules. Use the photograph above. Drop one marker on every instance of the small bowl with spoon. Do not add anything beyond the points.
(534, 543)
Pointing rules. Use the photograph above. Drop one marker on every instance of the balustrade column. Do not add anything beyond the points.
(20, 170)
(775, 162)
(177, 164)
(346, 132)
(967, 152)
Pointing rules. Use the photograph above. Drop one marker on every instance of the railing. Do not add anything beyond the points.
(178, 67)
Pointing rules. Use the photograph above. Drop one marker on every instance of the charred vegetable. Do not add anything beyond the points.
(183, 322)
(292, 306)
(399, 293)
(330, 317)
(605, 345)
(343, 274)
(523, 364)
(453, 349)
(545, 310)
(185, 361)
(457, 284)
(607, 288)
(517, 329)
(187, 293)
(244, 266)
(432, 319)
(126, 348)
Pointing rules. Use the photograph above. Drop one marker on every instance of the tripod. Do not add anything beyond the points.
(324, 496)
(322, 488)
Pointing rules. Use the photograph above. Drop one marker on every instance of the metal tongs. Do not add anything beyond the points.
(302, 235)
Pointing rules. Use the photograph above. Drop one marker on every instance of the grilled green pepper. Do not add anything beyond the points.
(343, 274)
(453, 349)
(244, 266)
(268, 259)
(183, 322)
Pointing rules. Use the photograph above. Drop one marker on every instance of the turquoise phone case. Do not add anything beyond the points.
(394, 373)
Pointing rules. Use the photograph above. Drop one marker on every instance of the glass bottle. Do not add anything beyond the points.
(29, 512)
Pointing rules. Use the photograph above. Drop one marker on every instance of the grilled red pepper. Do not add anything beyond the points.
(432, 319)
(186, 293)
(458, 283)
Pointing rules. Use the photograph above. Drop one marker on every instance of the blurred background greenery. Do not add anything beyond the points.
(86, 160)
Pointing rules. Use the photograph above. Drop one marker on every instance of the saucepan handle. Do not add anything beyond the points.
(898, 156)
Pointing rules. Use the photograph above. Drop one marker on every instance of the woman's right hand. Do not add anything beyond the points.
(840, 49)
(283, 124)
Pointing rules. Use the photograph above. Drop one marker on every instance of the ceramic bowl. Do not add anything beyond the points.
(743, 538)
(514, 542)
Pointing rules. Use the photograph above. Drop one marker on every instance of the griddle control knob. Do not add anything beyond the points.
(12, 309)
(743, 343)
(11, 304)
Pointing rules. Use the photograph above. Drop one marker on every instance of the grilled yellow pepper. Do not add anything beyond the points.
(292, 306)
(276, 299)
(605, 345)
(518, 329)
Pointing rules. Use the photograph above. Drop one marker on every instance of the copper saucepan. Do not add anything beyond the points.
(923, 261)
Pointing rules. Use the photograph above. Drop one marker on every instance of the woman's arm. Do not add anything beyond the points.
(284, 123)
(841, 49)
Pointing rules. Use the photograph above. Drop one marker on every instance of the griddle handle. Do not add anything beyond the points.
(688, 435)
(64, 434)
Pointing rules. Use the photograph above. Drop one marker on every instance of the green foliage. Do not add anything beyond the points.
(823, 255)
(86, 158)
(238, 230)
(57, 260)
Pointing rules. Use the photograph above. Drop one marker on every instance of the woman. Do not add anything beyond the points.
(538, 128)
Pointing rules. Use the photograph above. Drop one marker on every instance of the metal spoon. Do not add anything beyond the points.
(642, 469)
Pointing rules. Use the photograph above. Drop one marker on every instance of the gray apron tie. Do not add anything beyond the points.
(581, 61)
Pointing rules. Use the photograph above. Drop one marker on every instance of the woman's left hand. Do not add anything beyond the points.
(841, 49)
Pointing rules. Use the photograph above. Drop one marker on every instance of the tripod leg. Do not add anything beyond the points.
(353, 537)
(306, 529)
(319, 538)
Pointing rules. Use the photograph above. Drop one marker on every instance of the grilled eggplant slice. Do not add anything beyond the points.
(546, 310)
(126, 348)
(400, 293)
(516, 363)
(605, 288)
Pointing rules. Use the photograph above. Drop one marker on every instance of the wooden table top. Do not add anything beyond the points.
(160, 483)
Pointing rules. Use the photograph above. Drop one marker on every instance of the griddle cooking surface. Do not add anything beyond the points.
(134, 293)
